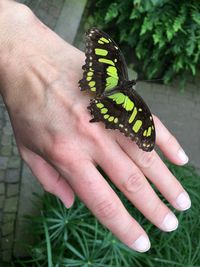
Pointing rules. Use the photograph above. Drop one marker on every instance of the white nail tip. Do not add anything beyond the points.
(182, 156)
(170, 222)
(183, 201)
(142, 244)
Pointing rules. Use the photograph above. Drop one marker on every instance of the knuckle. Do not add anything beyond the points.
(106, 209)
(23, 13)
(134, 183)
(91, 184)
(59, 154)
(48, 187)
(156, 211)
(146, 159)
(54, 152)
(52, 187)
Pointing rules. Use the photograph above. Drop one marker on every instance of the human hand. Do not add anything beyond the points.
(39, 76)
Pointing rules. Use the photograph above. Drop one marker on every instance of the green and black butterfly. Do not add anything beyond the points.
(115, 101)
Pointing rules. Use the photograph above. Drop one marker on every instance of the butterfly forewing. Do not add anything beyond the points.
(105, 66)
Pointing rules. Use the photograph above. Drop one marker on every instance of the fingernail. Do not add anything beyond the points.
(142, 244)
(182, 156)
(183, 201)
(170, 222)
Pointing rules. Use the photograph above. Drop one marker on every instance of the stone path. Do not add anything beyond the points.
(10, 165)
(180, 113)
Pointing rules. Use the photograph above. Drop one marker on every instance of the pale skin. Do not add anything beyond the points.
(39, 74)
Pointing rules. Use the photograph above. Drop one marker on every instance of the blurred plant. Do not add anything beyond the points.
(73, 237)
(164, 34)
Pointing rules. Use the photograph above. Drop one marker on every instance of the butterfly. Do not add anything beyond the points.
(115, 100)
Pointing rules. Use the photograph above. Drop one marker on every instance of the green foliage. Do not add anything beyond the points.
(73, 237)
(164, 34)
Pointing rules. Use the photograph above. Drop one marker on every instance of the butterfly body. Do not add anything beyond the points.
(115, 101)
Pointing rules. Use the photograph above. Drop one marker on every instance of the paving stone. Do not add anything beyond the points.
(14, 141)
(181, 101)
(44, 5)
(1, 123)
(8, 217)
(56, 3)
(32, 4)
(6, 150)
(14, 162)
(3, 163)
(2, 175)
(7, 228)
(54, 11)
(6, 117)
(28, 185)
(15, 151)
(6, 140)
(7, 129)
(12, 175)
(41, 14)
(2, 112)
(50, 21)
(2, 198)
(7, 255)
(196, 113)
(7, 242)
(12, 190)
(2, 188)
(11, 204)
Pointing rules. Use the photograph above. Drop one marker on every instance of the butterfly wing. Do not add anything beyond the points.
(105, 67)
(127, 112)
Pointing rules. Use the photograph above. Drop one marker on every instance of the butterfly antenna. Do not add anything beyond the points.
(150, 81)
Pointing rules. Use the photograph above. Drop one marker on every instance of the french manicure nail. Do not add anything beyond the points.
(170, 222)
(142, 244)
(182, 156)
(183, 201)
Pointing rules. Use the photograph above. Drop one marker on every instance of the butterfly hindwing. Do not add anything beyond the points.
(127, 112)
(105, 66)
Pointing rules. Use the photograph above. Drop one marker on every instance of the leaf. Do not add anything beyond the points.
(112, 12)
(146, 26)
(170, 34)
(196, 16)
(134, 14)
(178, 23)
(192, 68)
